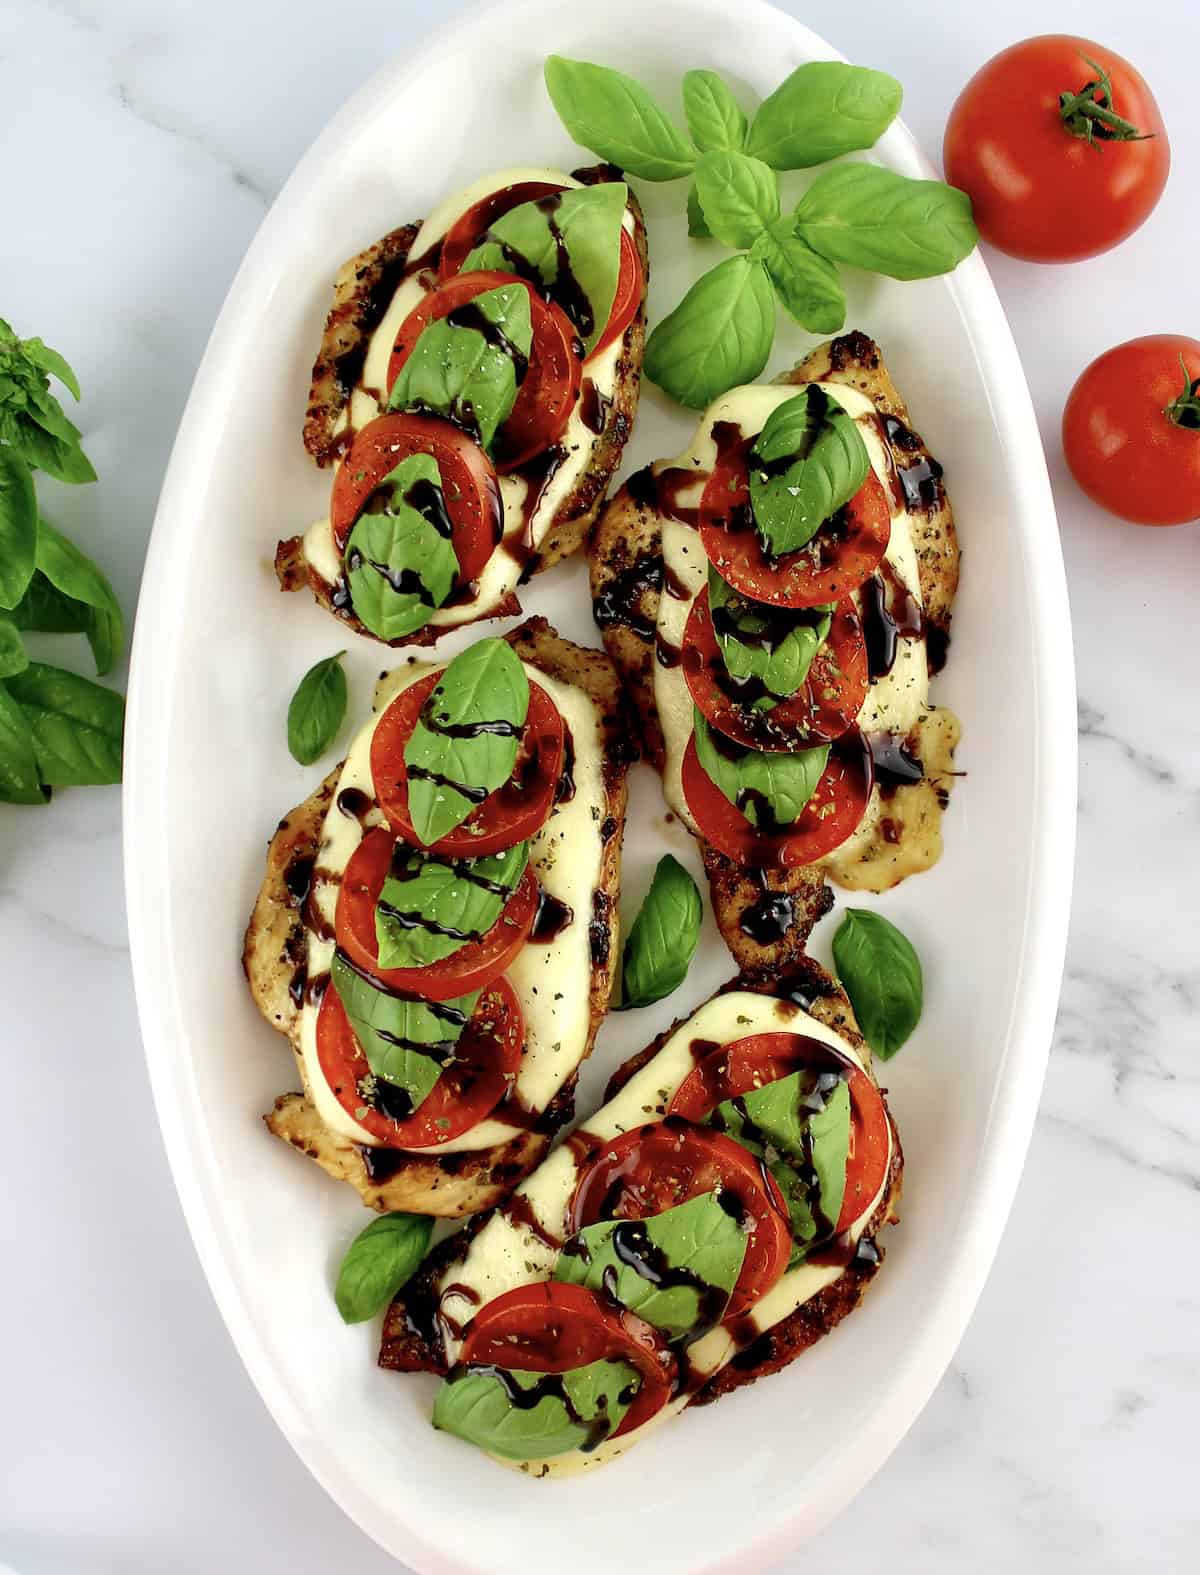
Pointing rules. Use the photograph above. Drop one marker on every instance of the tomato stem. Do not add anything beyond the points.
(1184, 410)
(1089, 113)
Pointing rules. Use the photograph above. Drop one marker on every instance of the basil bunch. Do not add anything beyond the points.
(859, 214)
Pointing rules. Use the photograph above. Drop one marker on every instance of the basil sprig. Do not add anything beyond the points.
(770, 789)
(32, 422)
(465, 742)
(399, 559)
(381, 1258)
(582, 1406)
(431, 907)
(808, 460)
(317, 710)
(663, 937)
(881, 972)
(773, 644)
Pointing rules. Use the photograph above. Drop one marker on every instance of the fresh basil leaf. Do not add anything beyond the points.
(771, 790)
(431, 907)
(19, 779)
(475, 1405)
(806, 283)
(569, 245)
(465, 742)
(317, 710)
(871, 218)
(18, 528)
(699, 1240)
(739, 196)
(808, 460)
(614, 116)
(44, 608)
(697, 224)
(881, 972)
(406, 1039)
(662, 939)
(714, 117)
(381, 1258)
(49, 361)
(470, 374)
(773, 644)
(12, 651)
(45, 410)
(63, 461)
(717, 337)
(400, 561)
(75, 575)
(77, 725)
(824, 109)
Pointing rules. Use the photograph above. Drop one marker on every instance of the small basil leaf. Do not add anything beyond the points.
(569, 245)
(475, 1405)
(871, 218)
(614, 116)
(824, 109)
(77, 725)
(663, 937)
(771, 790)
(806, 283)
(697, 224)
(44, 608)
(718, 336)
(12, 652)
(714, 117)
(739, 196)
(808, 460)
(380, 1260)
(47, 360)
(775, 645)
(19, 779)
(75, 575)
(400, 561)
(882, 976)
(632, 1261)
(431, 907)
(63, 461)
(470, 374)
(18, 528)
(317, 710)
(464, 745)
(45, 410)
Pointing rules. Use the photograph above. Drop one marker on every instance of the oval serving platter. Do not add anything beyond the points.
(218, 651)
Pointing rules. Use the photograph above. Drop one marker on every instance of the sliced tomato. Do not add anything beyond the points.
(474, 965)
(838, 559)
(630, 288)
(825, 705)
(760, 1059)
(469, 487)
(548, 383)
(656, 1167)
(513, 813)
(829, 817)
(551, 1328)
(486, 1060)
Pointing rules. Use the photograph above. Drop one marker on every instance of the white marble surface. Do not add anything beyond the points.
(143, 141)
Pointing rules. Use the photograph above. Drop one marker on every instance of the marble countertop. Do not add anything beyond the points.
(144, 140)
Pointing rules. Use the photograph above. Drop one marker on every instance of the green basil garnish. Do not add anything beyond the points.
(881, 973)
(824, 109)
(33, 424)
(381, 1258)
(719, 335)
(773, 644)
(400, 560)
(808, 460)
(18, 528)
(19, 779)
(614, 116)
(73, 573)
(771, 790)
(738, 195)
(77, 725)
(317, 709)
(465, 742)
(806, 283)
(430, 907)
(714, 117)
(475, 1405)
(871, 218)
(663, 937)
(674, 1269)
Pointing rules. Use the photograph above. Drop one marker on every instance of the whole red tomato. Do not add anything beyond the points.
(1131, 430)
(1060, 146)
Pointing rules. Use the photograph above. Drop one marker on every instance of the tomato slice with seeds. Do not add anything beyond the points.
(486, 1059)
(469, 486)
(516, 811)
(551, 1328)
(839, 558)
(830, 816)
(760, 1059)
(472, 967)
(825, 705)
(656, 1167)
(548, 385)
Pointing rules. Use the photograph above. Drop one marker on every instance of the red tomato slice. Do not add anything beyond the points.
(839, 558)
(829, 817)
(760, 1059)
(551, 1328)
(657, 1167)
(825, 705)
(512, 814)
(630, 287)
(485, 1062)
(472, 967)
(547, 387)
(469, 486)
